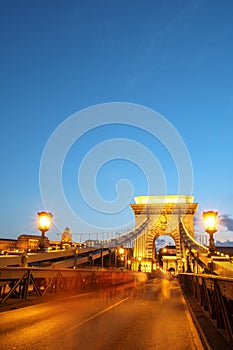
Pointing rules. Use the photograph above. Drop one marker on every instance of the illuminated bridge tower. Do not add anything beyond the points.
(164, 213)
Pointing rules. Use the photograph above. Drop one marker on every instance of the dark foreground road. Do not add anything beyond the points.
(153, 316)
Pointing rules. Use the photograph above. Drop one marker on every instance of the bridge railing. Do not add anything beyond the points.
(189, 241)
(127, 237)
(214, 295)
(23, 282)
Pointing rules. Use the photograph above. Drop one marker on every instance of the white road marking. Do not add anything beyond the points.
(96, 315)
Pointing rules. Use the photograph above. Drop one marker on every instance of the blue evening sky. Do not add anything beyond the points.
(59, 57)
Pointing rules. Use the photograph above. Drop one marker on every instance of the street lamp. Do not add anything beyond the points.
(210, 218)
(121, 251)
(44, 223)
(119, 254)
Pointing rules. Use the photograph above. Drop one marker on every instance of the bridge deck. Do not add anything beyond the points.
(152, 316)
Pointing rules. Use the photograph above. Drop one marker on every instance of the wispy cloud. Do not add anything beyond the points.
(227, 221)
(227, 243)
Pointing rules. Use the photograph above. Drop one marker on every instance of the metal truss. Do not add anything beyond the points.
(19, 283)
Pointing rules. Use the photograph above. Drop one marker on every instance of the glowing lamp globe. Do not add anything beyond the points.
(210, 219)
(44, 221)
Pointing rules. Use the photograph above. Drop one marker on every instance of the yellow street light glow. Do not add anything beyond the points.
(44, 221)
(121, 251)
(210, 218)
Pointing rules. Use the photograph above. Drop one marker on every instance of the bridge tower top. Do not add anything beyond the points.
(164, 199)
(179, 205)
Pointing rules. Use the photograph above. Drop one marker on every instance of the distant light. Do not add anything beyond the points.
(121, 251)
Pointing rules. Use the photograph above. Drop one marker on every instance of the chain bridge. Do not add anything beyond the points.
(155, 216)
(174, 216)
(208, 278)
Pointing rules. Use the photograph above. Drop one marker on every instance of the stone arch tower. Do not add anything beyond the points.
(164, 214)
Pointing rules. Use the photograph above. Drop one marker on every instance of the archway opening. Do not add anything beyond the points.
(163, 241)
(172, 271)
(165, 253)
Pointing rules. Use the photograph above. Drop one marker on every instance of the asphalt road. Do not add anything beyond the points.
(152, 316)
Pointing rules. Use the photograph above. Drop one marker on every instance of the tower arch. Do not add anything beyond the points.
(164, 214)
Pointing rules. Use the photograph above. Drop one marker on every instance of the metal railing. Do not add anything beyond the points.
(22, 282)
(214, 295)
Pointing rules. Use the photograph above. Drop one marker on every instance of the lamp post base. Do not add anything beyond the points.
(212, 247)
(43, 243)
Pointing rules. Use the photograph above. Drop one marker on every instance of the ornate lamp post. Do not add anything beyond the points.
(44, 223)
(210, 218)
